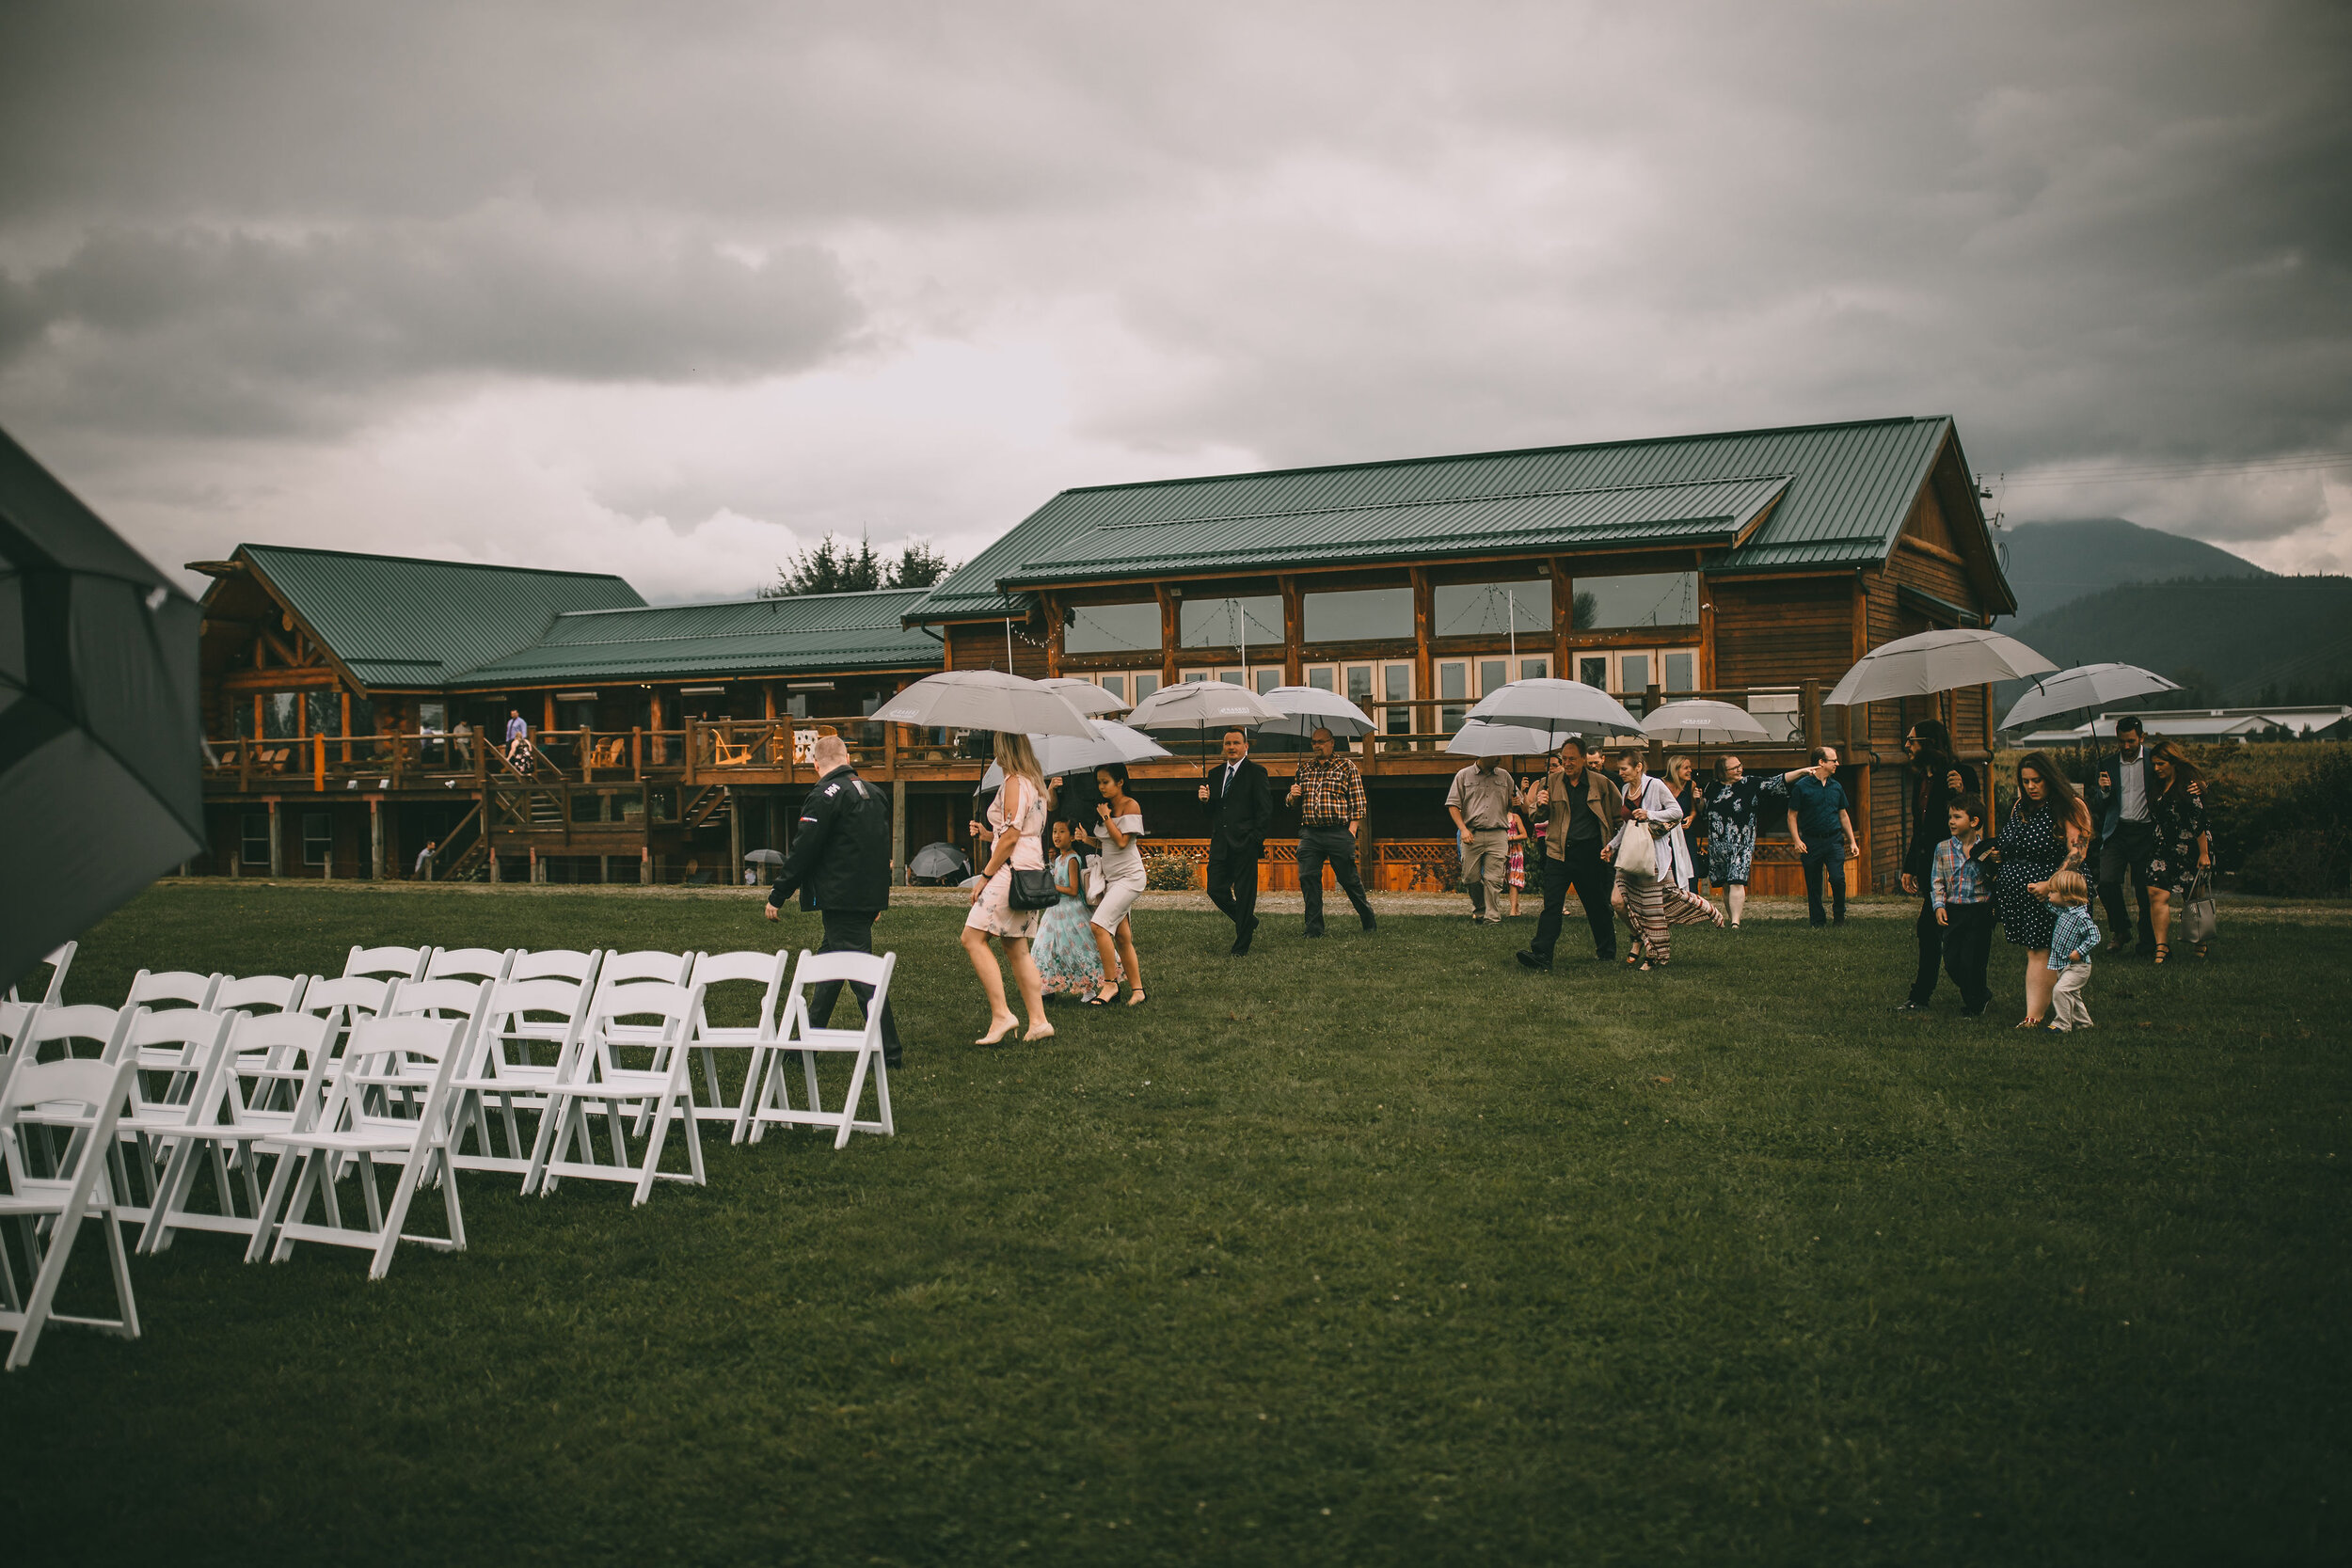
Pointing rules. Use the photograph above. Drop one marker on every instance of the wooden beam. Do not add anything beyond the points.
(1707, 634)
(1562, 616)
(1932, 549)
(1422, 597)
(1052, 607)
(1168, 634)
(1293, 630)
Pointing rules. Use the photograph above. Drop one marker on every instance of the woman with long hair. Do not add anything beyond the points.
(2184, 838)
(2048, 830)
(1123, 876)
(1683, 787)
(1652, 904)
(1017, 818)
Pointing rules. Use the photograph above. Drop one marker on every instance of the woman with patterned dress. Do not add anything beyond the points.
(1016, 819)
(2046, 831)
(1651, 904)
(2184, 838)
(1067, 964)
(1729, 812)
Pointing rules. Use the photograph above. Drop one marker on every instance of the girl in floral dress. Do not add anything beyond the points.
(1067, 962)
(1516, 875)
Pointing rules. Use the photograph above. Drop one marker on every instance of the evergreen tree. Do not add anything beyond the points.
(831, 566)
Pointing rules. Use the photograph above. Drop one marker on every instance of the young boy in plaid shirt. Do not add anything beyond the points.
(2072, 943)
(1961, 888)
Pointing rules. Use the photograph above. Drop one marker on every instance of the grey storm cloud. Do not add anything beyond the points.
(2112, 231)
(239, 327)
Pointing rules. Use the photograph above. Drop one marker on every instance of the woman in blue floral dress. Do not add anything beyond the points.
(1064, 949)
(2046, 831)
(1728, 815)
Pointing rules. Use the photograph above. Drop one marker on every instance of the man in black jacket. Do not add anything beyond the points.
(1241, 807)
(840, 865)
(1937, 778)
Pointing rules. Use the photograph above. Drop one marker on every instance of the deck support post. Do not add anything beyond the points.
(375, 838)
(276, 845)
(898, 833)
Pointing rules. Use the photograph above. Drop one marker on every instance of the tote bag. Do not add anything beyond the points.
(1637, 852)
(2203, 920)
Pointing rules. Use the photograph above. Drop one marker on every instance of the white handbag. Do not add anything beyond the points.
(1637, 851)
(1096, 885)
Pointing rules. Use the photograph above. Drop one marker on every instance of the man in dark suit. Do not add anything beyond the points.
(1938, 778)
(1241, 807)
(2120, 802)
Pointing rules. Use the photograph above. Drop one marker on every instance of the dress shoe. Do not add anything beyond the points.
(1369, 924)
(1530, 960)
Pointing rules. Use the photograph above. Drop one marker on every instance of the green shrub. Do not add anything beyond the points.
(1166, 873)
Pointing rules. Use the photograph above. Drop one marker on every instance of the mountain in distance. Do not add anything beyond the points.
(2231, 642)
(2053, 562)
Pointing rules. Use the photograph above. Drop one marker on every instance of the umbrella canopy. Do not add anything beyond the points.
(1477, 738)
(1308, 708)
(1935, 662)
(1559, 708)
(762, 857)
(2085, 686)
(1702, 723)
(1087, 697)
(1110, 742)
(939, 860)
(1196, 705)
(99, 733)
(984, 700)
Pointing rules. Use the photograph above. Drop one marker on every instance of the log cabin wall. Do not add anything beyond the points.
(1779, 631)
(981, 645)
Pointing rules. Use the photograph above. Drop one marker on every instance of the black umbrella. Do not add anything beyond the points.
(99, 733)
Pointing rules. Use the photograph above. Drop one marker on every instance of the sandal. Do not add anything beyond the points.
(1136, 999)
(2029, 1023)
(1099, 1000)
(2163, 953)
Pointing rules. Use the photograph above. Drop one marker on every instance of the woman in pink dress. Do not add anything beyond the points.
(1017, 818)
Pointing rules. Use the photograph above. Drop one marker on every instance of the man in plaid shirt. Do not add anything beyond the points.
(1329, 795)
(1960, 889)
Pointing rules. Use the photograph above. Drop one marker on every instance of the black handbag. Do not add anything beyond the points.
(1034, 889)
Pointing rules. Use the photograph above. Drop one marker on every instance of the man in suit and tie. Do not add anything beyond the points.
(1241, 806)
(2120, 801)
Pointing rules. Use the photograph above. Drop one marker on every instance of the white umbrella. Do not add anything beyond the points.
(1559, 708)
(1058, 754)
(1701, 722)
(984, 700)
(1308, 708)
(1087, 698)
(1196, 705)
(1477, 738)
(2085, 686)
(1932, 661)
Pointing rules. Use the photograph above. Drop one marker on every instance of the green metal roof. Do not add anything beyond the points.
(1712, 513)
(809, 633)
(1848, 489)
(395, 620)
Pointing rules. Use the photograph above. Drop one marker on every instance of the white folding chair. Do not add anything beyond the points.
(83, 1030)
(59, 960)
(152, 986)
(49, 1208)
(250, 993)
(188, 1048)
(270, 1084)
(773, 1104)
(348, 1000)
(555, 963)
(488, 1077)
(764, 969)
(468, 963)
(386, 963)
(591, 1079)
(347, 1131)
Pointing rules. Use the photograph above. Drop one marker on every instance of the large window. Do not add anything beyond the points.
(253, 838)
(1230, 623)
(1650, 599)
(318, 837)
(1493, 608)
(1359, 615)
(1112, 628)
(281, 714)
(326, 710)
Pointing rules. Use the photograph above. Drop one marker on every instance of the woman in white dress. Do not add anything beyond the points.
(1122, 865)
(1651, 904)
(1017, 818)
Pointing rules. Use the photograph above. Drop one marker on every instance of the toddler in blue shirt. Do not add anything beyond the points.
(2072, 941)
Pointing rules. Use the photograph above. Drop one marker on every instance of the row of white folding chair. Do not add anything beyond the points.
(591, 1081)
(767, 1087)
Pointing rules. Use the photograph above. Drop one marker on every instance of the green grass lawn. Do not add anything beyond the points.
(1361, 1250)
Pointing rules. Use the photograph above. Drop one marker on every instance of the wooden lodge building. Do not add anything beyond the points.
(348, 693)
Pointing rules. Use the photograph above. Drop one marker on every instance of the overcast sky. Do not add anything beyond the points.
(673, 290)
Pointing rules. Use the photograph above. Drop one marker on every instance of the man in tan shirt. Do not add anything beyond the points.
(1583, 808)
(1480, 804)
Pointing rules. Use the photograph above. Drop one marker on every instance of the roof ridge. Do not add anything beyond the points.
(1394, 506)
(755, 598)
(1506, 451)
(436, 561)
